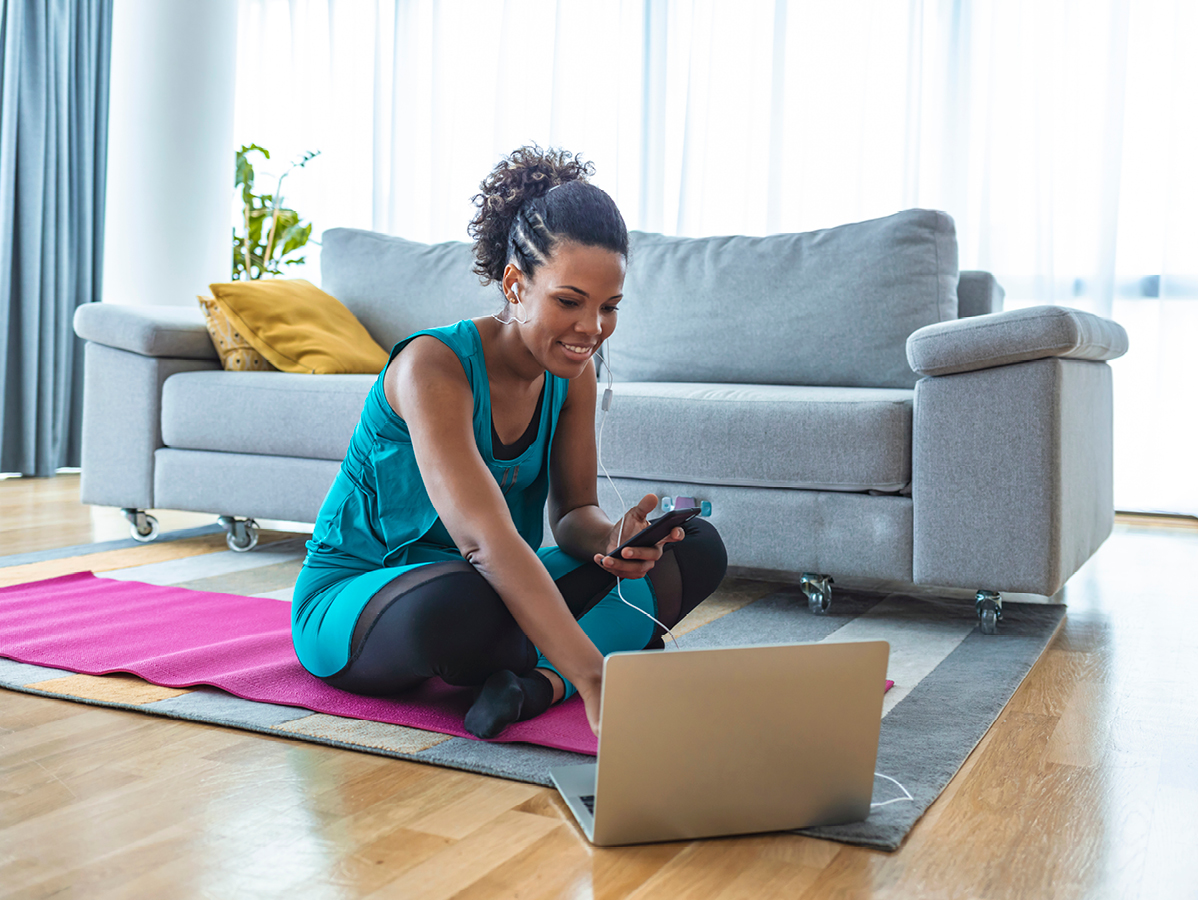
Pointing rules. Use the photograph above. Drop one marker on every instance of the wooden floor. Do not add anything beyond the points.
(1087, 786)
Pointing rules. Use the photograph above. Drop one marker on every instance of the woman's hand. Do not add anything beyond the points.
(591, 692)
(635, 562)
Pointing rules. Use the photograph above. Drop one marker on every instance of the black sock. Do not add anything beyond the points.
(506, 698)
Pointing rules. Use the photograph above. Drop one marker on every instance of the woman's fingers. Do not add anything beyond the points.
(653, 551)
(647, 505)
(630, 571)
(637, 567)
(635, 562)
(638, 517)
(625, 568)
(673, 537)
(591, 696)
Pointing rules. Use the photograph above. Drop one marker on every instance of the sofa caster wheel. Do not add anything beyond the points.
(142, 526)
(818, 590)
(989, 607)
(242, 534)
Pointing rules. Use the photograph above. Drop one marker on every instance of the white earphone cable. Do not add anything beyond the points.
(906, 793)
(606, 405)
(508, 316)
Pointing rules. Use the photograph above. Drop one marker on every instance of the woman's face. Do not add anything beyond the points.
(571, 305)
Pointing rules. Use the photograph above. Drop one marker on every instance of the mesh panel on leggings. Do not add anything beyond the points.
(401, 584)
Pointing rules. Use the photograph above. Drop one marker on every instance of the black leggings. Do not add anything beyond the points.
(444, 619)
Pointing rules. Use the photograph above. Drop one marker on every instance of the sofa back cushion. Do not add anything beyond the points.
(830, 307)
(396, 287)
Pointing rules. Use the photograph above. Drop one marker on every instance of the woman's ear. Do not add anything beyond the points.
(513, 282)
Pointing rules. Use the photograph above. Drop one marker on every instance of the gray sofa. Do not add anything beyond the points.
(846, 400)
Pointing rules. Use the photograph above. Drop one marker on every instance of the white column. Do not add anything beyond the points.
(170, 150)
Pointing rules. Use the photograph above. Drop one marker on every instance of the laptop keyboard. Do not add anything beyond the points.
(588, 800)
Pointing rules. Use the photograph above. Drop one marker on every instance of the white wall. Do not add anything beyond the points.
(170, 150)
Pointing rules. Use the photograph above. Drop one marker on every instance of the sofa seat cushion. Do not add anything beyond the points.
(761, 435)
(273, 413)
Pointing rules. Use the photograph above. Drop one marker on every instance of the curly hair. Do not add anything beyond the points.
(521, 218)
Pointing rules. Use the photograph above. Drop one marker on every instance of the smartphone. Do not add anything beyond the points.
(657, 529)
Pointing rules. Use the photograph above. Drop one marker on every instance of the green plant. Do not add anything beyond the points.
(271, 232)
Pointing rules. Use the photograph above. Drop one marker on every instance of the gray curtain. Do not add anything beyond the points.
(53, 150)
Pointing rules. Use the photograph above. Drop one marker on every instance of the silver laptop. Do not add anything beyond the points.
(698, 743)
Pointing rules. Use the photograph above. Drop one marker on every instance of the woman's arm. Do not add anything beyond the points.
(579, 526)
(427, 387)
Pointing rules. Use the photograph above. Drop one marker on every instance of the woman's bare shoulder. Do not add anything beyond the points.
(425, 364)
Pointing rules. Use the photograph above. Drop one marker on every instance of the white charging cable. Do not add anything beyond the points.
(906, 793)
(606, 405)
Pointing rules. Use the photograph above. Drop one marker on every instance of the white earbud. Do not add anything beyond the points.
(512, 317)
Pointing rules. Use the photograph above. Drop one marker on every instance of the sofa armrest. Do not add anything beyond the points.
(1012, 474)
(166, 331)
(122, 422)
(1020, 335)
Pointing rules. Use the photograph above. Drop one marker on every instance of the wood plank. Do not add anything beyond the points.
(130, 556)
(22, 711)
(372, 866)
(1050, 685)
(752, 867)
(556, 865)
(43, 513)
(457, 867)
(483, 802)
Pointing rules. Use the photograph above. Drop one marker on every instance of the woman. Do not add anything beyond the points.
(424, 560)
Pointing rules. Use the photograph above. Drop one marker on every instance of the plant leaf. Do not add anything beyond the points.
(295, 237)
(244, 171)
(290, 233)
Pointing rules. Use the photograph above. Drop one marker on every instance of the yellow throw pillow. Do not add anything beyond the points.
(236, 354)
(298, 327)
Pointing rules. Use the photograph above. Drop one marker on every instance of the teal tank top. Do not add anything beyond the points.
(378, 505)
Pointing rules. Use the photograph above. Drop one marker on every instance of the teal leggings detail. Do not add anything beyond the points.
(447, 620)
(611, 624)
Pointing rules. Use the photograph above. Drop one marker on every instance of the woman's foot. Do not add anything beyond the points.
(506, 698)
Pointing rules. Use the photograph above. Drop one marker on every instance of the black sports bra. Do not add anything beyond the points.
(500, 450)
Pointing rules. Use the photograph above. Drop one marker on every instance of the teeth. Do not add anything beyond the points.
(576, 349)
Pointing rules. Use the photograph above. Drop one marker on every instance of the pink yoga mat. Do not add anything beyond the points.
(178, 637)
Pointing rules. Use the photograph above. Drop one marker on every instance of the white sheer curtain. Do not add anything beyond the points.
(1060, 135)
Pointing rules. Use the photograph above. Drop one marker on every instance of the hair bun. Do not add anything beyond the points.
(527, 173)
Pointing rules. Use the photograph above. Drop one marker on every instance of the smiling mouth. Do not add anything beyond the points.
(578, 348)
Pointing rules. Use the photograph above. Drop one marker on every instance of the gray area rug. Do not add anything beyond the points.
(927, 734)
(951, 684)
